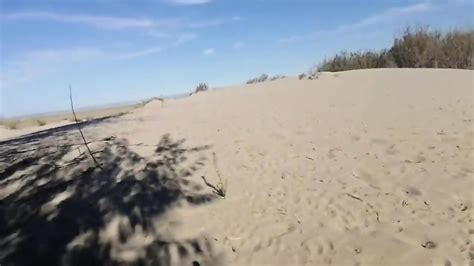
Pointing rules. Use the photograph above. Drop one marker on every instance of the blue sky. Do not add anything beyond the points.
(119, 51)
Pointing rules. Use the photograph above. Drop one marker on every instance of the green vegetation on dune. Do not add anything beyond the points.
(265, 77)
(416, 48)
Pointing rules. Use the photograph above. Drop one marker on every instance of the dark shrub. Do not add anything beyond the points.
(261, 78)
(201, 87)
(277, 77)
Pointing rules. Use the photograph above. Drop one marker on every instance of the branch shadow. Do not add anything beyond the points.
(58, 211)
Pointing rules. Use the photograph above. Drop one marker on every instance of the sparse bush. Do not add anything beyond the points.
(11, 124)
(201, 87)
(418, 48)
(261, 78)
(314, 75)
(277, 77)
(458, 48)
(423, 48)
(414, 49)
(301, 76)
(357, 60)
(40, 122)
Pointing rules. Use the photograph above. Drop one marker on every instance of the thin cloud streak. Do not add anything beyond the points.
(209, 51)
(389, 14)
(39, 64)
(105, 22)
(120, 23)
(188, 2)
(212, 22)
(386, 15)
(35, 65)
(185, 38)
(140, 53)
(238, 45)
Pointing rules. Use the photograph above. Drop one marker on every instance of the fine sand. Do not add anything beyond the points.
(368, 167)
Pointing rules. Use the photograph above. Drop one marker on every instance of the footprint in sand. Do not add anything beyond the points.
(378, 141)
(391, 150)
(355, 138)
(412, 191)
(320, 245)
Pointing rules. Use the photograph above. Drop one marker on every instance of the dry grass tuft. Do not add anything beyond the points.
(201, 87)
(433, 49)
(276, 77)
(10, 124)
(265, 77)
(261, 78)
(40, 122)
(416, 48)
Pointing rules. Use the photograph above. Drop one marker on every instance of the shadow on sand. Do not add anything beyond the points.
(58, 208)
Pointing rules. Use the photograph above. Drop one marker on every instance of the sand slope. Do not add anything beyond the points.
(370, 167)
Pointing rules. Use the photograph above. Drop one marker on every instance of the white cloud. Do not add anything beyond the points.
(212, 22)
(153, 27)
(204, 23)
(72, 55)
(387, 15)
(209, 51)
(462, 2)
(140, 53)
(292, 38)
(157, 34)
(185, 38)
(38, 64)
(106, 22)
(189, 2)
(238, 45)
(237, 18)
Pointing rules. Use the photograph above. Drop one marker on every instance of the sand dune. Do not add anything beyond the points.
(368, 167)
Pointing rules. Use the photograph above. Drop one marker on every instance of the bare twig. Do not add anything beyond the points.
(354, 197)
(216, 190)
(77, 159)
(80, 130)
(220, 188)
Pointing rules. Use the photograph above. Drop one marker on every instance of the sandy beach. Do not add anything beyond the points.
(366, 167)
